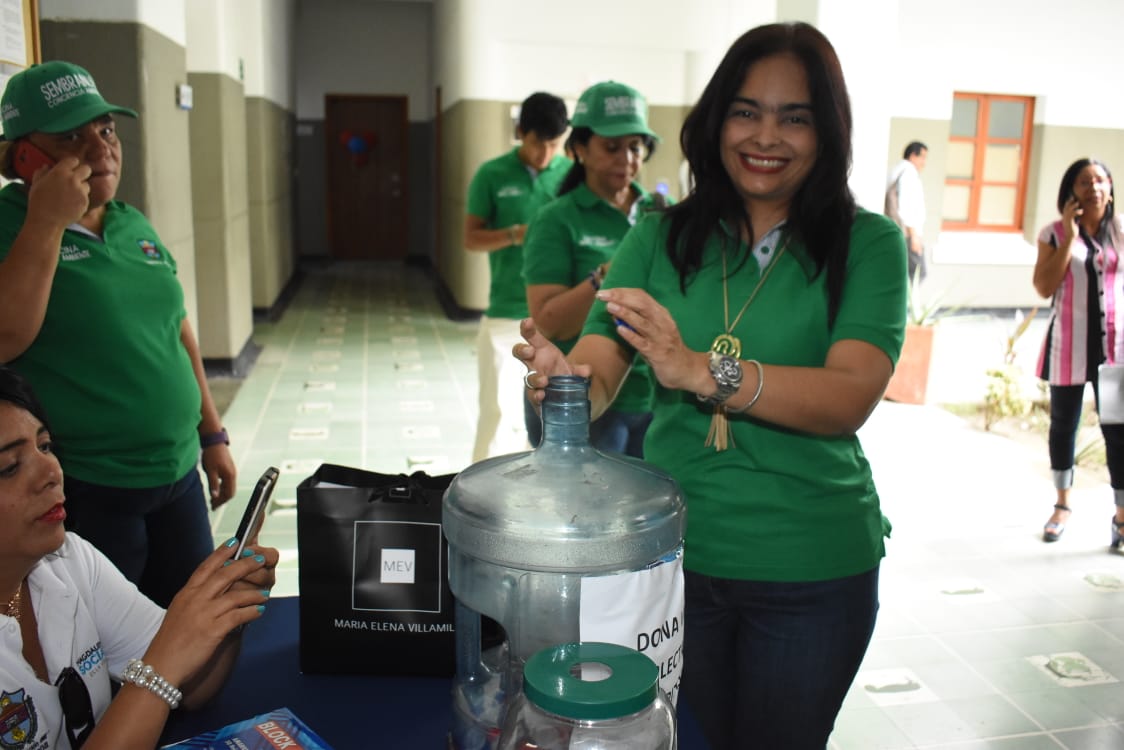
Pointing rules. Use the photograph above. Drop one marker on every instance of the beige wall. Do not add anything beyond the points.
(471, 133)
(221, 216)
(269, 140)
(1056, 147)
(475, 131)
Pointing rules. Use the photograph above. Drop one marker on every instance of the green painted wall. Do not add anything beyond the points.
(269, 142)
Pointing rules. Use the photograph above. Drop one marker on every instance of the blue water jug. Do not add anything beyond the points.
(559, 545)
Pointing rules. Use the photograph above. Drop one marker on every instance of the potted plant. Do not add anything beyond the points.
(910, 380)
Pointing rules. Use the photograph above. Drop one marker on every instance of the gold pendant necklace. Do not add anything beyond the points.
(726, 343)
(14, 610)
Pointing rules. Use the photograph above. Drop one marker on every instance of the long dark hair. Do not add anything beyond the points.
(823, 208)
(15, 389)
(1108, 228)
(576, 174)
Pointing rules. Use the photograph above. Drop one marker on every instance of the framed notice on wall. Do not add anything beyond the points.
(19, 36)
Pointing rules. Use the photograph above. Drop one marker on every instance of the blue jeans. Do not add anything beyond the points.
(156, 536)
(1065, 418)
(533, 421)
(620, 432)
(767, 665)
(614, 431)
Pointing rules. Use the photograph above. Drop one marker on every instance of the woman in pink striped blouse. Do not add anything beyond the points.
(1079, 267)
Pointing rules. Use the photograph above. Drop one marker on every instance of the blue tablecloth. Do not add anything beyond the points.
(349, 712)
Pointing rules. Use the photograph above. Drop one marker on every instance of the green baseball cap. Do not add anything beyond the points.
(52, 97)
(612, 109)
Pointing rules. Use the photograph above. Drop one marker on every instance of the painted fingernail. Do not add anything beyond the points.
(261, 608)
(259, 558)
(247, 552)
(230, 542)
(228, 562)
(265, 593)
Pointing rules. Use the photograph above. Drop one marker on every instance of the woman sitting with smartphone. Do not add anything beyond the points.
(72, 622)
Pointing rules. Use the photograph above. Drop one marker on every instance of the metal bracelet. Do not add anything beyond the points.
(757, 395)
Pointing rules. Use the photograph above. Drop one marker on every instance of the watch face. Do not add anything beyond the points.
(730, 370)
(727, 371)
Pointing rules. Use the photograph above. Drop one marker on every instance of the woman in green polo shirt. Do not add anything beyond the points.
(570, 243)
(771, 310)
(92, 313)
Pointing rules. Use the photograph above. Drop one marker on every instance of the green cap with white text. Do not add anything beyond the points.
(52, 97)
(612, 109)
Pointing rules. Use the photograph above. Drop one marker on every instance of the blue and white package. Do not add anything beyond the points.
(279, 729)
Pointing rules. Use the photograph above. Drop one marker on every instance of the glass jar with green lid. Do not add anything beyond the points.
(590, 696)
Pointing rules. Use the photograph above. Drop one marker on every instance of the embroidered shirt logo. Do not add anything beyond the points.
(593, 240)
(73, 252)
(509, 191)
(149, 248)
(18, 722)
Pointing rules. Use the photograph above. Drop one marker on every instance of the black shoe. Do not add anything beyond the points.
(1053, 530)
(1117, 536)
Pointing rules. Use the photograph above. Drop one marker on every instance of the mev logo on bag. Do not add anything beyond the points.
(397, 567)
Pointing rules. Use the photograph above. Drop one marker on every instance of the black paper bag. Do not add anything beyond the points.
(373, 574)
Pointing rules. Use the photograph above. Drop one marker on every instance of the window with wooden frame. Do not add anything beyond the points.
(988, 153)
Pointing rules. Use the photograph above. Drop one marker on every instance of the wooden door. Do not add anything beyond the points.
(367, 159)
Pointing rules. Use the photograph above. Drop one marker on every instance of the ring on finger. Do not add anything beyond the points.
(527, 379)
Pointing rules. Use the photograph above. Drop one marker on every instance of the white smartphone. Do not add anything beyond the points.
(254, 515)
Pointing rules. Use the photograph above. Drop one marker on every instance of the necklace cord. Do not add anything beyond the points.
(726, 292)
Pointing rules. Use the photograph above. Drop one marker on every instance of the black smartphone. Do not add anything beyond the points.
(254, 515)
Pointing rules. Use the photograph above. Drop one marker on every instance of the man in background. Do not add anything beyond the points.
(502, 197)
(905, 204)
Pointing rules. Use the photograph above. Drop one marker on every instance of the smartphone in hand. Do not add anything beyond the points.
(254, 515)
(28, 158)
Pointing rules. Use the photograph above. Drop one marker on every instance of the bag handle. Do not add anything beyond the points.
(403, 488)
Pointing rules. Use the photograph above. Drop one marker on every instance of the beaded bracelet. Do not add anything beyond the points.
(757, 395)
(143, 675)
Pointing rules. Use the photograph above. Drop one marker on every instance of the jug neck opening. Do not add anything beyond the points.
(566, 409)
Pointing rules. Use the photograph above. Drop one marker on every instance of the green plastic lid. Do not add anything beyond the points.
(590, 681)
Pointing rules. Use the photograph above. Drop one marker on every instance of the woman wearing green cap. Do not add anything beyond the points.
(570, 243)
(91, 312)
(771, 310)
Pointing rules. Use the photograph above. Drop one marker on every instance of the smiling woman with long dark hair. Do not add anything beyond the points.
(771, 311)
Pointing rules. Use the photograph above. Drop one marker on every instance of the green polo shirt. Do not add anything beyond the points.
(502, 193)
(568, 239)
(108, 364)
(778, 505)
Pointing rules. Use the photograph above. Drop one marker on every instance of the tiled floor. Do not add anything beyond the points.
(987, 638)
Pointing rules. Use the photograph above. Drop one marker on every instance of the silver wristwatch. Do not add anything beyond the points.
(727, 373)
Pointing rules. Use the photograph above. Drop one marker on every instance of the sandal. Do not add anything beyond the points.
(1117, 535)
(1053, 530)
